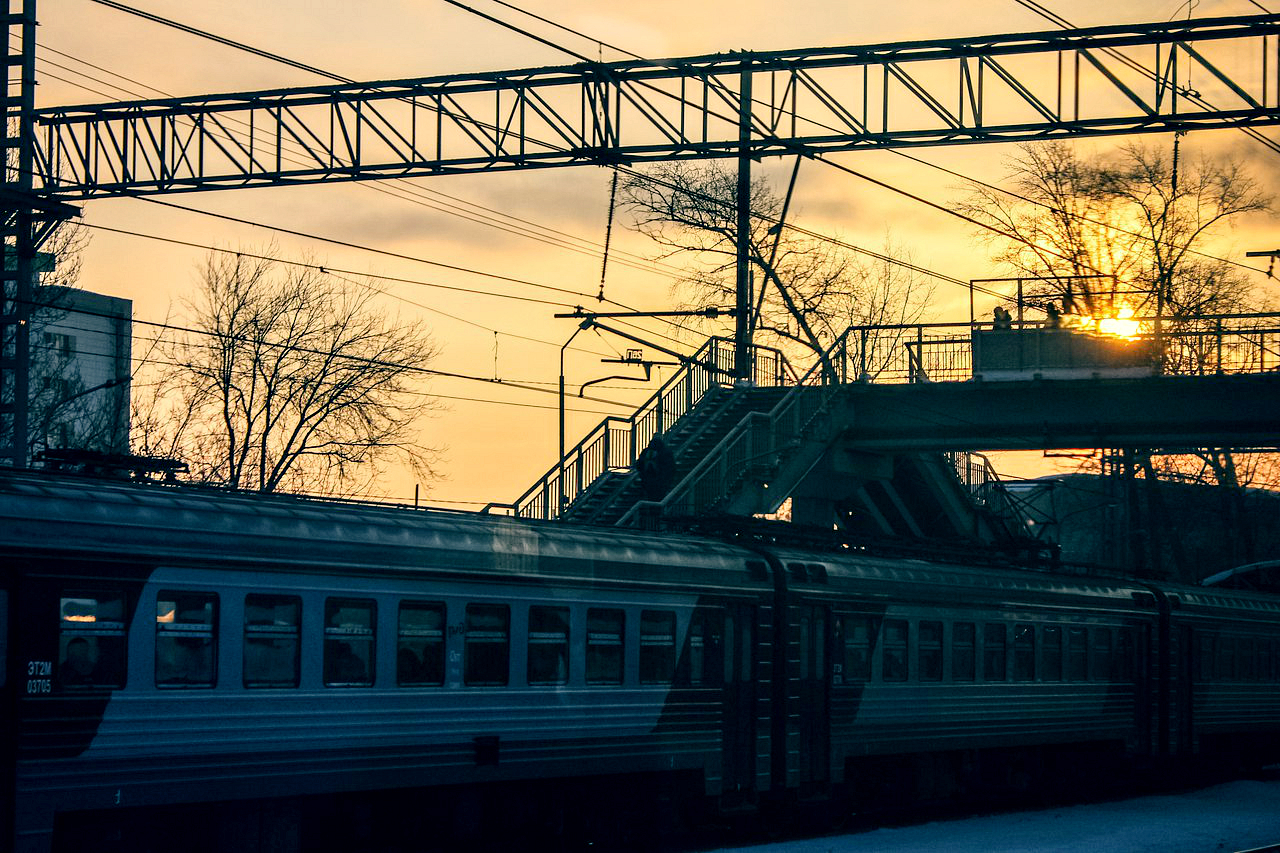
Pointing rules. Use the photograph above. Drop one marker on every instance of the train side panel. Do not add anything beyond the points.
(923, 660)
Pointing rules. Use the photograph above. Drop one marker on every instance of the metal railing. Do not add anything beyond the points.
(615, 443)
(753, 449)
(932, 352)
(943, 352)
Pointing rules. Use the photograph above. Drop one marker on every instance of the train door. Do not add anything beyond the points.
(1182, 690)
(1139, 663)
(739, 698)
(8, 719)
(813, 695)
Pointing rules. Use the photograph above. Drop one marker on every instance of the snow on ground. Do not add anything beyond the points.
(1221, 819)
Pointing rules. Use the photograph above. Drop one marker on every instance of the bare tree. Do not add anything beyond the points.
(289, 378)
(808, 290)
(1138, 222)
(1135, 229)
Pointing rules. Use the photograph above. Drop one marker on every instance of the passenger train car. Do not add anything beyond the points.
(236, 671)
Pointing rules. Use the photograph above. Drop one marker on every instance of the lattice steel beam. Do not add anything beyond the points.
(1000, 88)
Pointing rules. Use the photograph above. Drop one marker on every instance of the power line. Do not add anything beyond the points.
(238, 45)
(560, 26)
(1078, 216)
(1187, 93)
(349, 245)
(406, 190)
(326, 268)
(372, 362)
(519, 30)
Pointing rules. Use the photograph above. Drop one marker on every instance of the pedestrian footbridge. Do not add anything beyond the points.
(885, 431)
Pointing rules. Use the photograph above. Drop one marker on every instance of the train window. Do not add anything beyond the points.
(1101, 665)
(856, 631)
(1244, 660)
(272, 627)
(929, 650)
(1077, 654)
(488, 645)
(4, 635)
(1122, 669)
(993, 652)
(963, 660)
(704, 664)
(420, 644)
(1051, 654)
(349, 642)
(604, 645)
(91, 640)
(1224, 658)
(893, 660)
(657, 646)
(1203, 658)
(1024, 653)
(804, 648)
(728, 648)
(548, 645)
(186, 627)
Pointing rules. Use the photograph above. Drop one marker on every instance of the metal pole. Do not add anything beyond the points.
(742, 336)
(560, 501)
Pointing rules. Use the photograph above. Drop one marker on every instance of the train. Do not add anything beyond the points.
(231, 671)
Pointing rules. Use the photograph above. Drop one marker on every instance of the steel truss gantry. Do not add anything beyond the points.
(1172, 76)
(1021, 86)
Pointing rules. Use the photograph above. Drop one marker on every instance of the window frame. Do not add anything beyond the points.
(596, 642)
(476, 638)
(351, 636)
(191, 630)
(561, 640)
(110, 641)
(428, 636)
(274, 633)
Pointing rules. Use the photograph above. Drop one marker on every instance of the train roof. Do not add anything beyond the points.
(947, 582)
(75, 516)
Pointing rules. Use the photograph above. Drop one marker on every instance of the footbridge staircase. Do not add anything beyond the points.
(744, 449)
(881, 435)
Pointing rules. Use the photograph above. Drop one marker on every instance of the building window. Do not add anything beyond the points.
(62, 345)
(488, 645)
(420, 644)
(548, 645)
(272, 630)
(91, 641)
(349, 642)
(604, 646)
(186, 639)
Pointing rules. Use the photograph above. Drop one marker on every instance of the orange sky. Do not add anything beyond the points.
(497, 440)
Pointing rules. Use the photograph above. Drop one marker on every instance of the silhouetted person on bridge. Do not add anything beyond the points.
(657, 467)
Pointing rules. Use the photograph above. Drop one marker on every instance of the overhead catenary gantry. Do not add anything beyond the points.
(743, 105)
(1022, 86)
